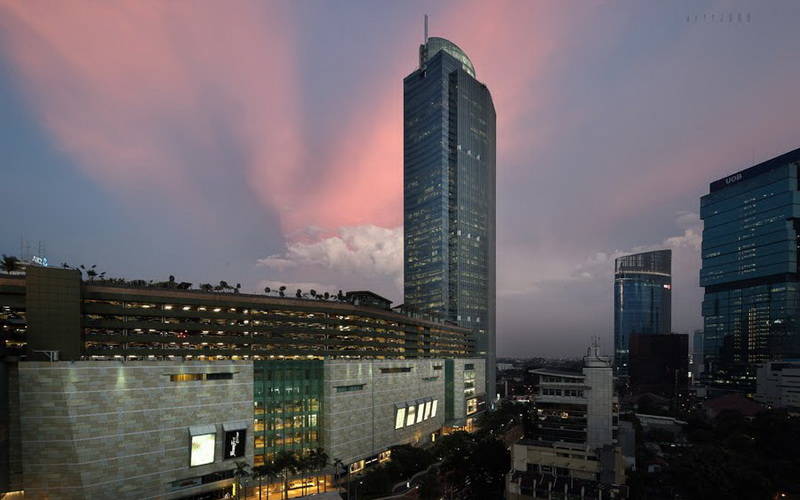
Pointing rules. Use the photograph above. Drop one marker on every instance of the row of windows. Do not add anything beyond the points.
(408, 414)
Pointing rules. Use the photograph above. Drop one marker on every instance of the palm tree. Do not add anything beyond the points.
(9, 263)
(238, 286)
(299, 294)
(338, 466)
(327, 296)
(303, 467)
(281, 290)
(286, 464)
(240, 474)
(313, 292)
(267, 290)
(268, 471)
(319, 460)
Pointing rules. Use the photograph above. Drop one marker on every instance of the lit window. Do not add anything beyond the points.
(427, 410)
(202, 450)
(412, 413)
(420, 412)
(433, 408)
(400, 417)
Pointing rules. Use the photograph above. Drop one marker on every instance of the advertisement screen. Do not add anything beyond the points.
(234, 444)
(202, 450)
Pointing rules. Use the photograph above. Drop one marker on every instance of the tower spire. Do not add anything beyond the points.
(426, 28)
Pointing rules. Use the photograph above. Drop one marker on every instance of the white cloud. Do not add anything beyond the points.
(369, 251)
(553, 267)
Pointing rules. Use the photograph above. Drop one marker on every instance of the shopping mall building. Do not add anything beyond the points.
(141, 390)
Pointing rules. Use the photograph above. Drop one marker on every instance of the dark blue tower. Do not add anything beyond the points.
(642, 300)
(449, 194)
(751, 240)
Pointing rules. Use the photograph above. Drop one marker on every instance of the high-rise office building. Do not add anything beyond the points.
(659, 364)
(696, 356)
(749, 269)
(642, 300)
(449, 194)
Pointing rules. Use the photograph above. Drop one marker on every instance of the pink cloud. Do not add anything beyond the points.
(128, 88)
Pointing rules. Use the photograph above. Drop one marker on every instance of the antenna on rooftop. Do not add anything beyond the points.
(426, 28)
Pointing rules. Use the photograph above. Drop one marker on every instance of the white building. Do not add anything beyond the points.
(778, 384)
(575, 448)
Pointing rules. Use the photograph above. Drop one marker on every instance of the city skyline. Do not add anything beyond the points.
(164, 155)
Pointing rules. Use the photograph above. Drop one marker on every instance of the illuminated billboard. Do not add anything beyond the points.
(234, 444)
(202, 449)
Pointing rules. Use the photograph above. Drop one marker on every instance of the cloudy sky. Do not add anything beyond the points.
(261, 142)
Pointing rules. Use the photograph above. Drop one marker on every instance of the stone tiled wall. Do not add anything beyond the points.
(459, 401)
(359, 424)
(103, 429)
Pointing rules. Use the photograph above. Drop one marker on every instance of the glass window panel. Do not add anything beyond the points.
(202, 450)
(411, 417)
(399, 418)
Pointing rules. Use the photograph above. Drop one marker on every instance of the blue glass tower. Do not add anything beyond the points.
(642, 300)
(749, 271)
(449, 194)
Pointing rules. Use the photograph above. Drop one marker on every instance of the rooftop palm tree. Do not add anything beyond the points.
(9, 263)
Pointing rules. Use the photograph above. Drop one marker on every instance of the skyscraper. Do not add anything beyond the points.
(449, 194)
(642, 300)
(751, 308)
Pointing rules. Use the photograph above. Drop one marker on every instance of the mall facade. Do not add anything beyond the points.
(142, 390)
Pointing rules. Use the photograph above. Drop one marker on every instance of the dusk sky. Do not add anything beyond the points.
(261, 142)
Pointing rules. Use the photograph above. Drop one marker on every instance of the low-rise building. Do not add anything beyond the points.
(574, 449)
(659, 364)
(778, 384)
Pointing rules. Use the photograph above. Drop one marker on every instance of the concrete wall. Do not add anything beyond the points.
(53, 312)
(599, 408)
(459, 398)
(105, 429)
(358, 424)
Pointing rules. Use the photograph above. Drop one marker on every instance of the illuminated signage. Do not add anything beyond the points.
(42, 261)
(733, 178)
(234, 444)
(202, 449)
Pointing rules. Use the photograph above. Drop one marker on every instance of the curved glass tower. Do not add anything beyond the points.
(449, 194)
(642, 300)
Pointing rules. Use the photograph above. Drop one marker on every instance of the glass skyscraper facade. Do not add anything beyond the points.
(642, 300)
(288, 407)
(449, 194)
(749, 270)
